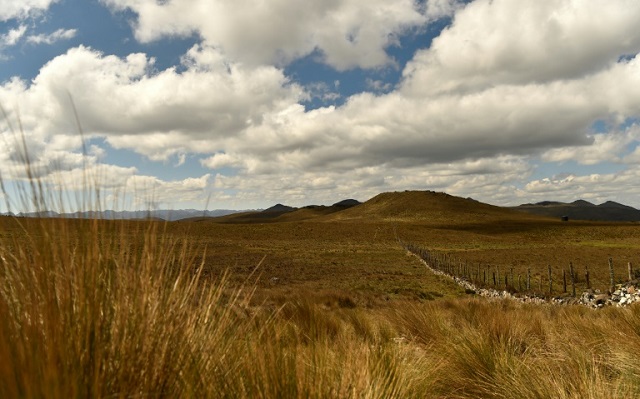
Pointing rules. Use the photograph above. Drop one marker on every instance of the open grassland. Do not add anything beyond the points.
(330, 306)
(364, 257)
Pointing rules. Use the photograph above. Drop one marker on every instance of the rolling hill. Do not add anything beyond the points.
(427, 206)
(284, 213)
(583, 210)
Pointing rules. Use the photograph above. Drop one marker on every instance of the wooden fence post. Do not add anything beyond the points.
(511, 277)
(630, 271)
(564, 281)
(586, 276)
(612, 285)
(550, 280)
(573, 279)
(528, 278)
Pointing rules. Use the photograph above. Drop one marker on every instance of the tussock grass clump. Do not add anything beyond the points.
(93, 309)
(510, 350)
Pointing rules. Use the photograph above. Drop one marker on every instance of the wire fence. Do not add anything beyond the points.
(541, 281)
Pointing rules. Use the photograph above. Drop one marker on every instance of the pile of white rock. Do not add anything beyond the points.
(624, 295)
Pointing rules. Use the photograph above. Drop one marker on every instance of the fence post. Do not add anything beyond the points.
(550, 280)
(612, 285)
(528, 278)
(630, 271)
(511, 277)
(564, 281)
(573, 279)
(586, 276)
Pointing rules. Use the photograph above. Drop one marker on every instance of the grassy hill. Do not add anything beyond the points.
(583, 210)
(428, 206)
(283, 213)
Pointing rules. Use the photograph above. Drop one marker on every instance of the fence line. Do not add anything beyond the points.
(491, 277)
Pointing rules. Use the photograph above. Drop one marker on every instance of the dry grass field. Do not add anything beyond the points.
(356, 251)
(308, 306)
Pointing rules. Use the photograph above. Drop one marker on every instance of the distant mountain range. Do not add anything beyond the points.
(249, 215)
(407, 205)
(165, 214)
(583, 210)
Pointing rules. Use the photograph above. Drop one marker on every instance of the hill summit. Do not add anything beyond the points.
(437, 207)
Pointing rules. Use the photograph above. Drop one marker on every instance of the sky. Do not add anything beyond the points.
(241, 104)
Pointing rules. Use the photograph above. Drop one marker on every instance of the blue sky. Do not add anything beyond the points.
(242, 104)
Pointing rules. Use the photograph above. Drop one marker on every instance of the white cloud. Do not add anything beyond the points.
(10, 9)
(347, 33)
(155, 113)
(606, 147)
(436, 9)
(12, 37)
(378, 85)
(529, 41)
(321, 91)
(508, 82)
(60, 34)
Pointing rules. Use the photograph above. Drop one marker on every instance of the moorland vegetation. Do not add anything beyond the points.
(323, 306)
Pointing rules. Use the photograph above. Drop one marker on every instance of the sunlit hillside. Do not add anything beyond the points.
(429, 207)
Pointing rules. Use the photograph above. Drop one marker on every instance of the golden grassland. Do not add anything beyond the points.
(328, 306)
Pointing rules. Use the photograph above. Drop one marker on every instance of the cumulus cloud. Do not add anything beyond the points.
(506, 83)
(534, 103)
(347, 34)
(606, 147)
(60, 34)
(157, 113)
(505, 42)
(10, 9)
